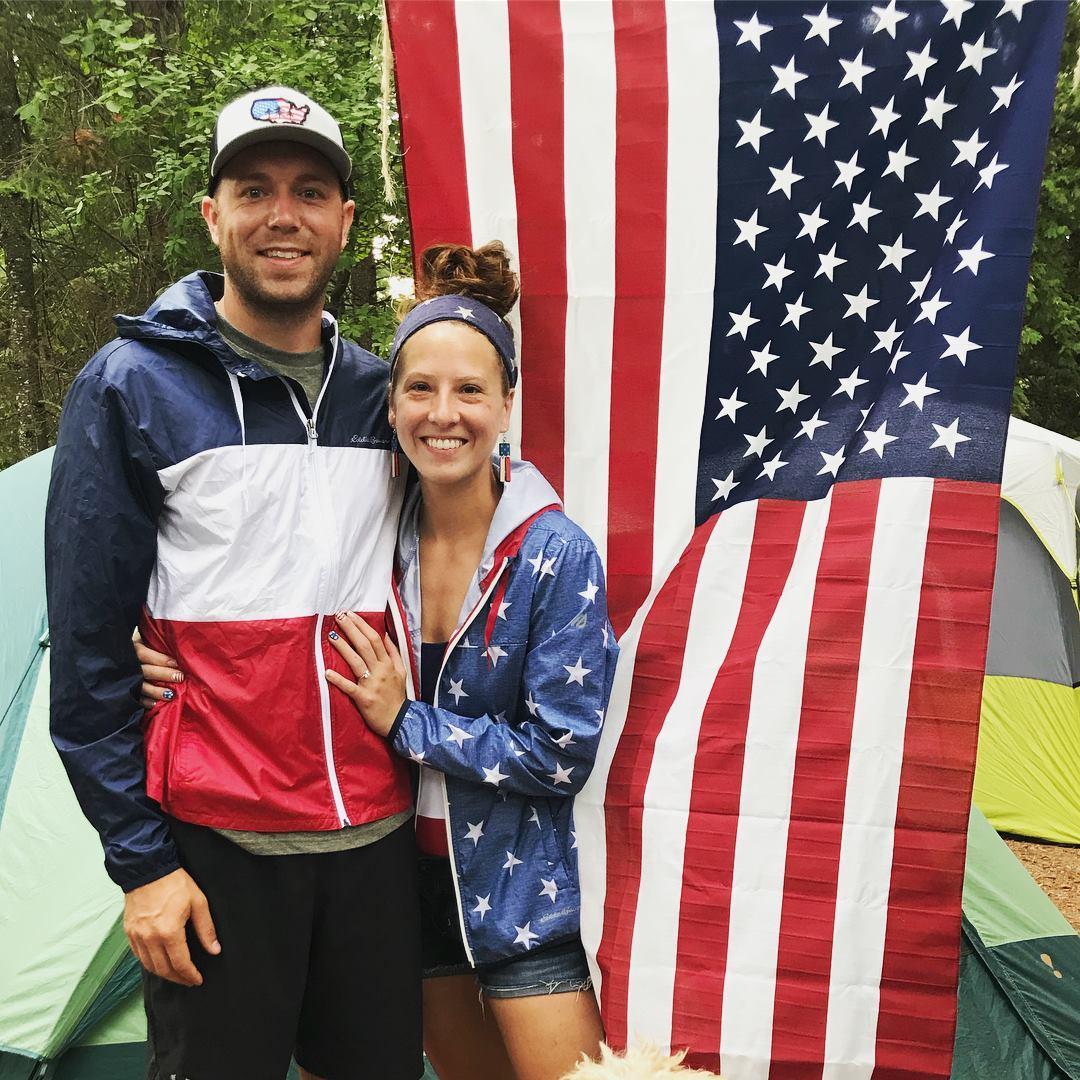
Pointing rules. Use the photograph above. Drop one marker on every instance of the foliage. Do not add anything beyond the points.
(117, 100)
(1048, 376)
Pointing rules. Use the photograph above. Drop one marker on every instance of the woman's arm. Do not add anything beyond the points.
(549, 746)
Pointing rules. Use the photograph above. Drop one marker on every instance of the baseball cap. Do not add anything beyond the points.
(276, 113)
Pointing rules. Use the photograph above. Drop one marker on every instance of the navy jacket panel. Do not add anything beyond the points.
(100, 532)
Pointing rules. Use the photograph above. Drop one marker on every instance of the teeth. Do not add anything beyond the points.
(284, 254)
(445, 444)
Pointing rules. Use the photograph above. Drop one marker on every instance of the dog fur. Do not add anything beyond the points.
(638, 1063)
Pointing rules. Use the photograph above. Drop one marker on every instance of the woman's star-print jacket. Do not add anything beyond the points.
(518, 710)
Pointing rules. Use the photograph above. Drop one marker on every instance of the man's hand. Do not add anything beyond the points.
(155, 917)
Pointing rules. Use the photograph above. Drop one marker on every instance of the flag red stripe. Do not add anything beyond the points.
(424, 38)
(704, 909)
(819, 784)
(536, 91)
(657, 673)
(917, 1021)
(641, 106)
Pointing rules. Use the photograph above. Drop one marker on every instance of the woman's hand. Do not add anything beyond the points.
(160, 674)
(376, 664)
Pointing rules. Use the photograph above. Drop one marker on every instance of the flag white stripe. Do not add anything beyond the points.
(873, 783)
(589, 802)
(757, 880)
(693, 141)
(483, 40)
(589, 154)
(713, 617)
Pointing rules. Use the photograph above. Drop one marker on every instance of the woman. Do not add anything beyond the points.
(501, 695)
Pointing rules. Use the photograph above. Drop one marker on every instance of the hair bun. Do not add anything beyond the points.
(481, 273)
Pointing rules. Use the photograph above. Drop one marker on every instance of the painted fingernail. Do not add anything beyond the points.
(168, 695)
(333, 635)
(178, 676)
(341, 616)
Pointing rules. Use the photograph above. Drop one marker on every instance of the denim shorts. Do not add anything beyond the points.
(551, 969)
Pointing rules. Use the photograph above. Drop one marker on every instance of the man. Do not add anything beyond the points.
(222, 478)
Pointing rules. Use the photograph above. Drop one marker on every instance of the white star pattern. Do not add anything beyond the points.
(725, 487)
(456, 690)
(752, 31)
(787, 78)
(495, 653)
(949, 437)
(457, 735)
(921, 63)
(483, 906)
(784, 179)
(589, 592)
(960, 345)
(550, 889)
(511, 862)
(917, 393)
(855, 71)
(971, 257)
(475, 832)
(749, 230)
(741, 322)
(494, 775)
(821, 24)
(811, 223)
(576, 673)
(561, 775)
(753, 131)
(525, 936)
(811, 101)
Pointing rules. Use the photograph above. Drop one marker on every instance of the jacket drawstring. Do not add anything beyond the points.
(238, 402)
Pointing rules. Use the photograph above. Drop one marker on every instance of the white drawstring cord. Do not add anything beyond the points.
(238, 402)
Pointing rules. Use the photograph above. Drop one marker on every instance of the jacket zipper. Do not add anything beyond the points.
(454, 639)
(330, 568)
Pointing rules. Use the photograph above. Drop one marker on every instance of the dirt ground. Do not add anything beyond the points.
(1057, 870)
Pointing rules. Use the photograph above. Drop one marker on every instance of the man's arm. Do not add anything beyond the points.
(100, 543)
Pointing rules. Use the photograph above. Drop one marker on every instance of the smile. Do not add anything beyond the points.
(283, 253)
(442, 444)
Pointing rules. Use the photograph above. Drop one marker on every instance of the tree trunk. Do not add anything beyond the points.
(16, 212)
(167, 21)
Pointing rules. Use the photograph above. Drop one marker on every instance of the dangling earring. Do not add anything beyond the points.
(395, 455)
(504, 458)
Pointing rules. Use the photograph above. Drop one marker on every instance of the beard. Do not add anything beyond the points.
(279, 300)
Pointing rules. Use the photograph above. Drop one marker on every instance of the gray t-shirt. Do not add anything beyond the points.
(307, 369)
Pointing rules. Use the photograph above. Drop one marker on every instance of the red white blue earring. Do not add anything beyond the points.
(395, 456)
(504, 458)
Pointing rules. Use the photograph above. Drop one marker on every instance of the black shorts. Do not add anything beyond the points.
(320, 958)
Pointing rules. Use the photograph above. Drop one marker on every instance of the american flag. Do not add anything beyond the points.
(773, 261)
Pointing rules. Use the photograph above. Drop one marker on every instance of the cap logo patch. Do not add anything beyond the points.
(279, 111)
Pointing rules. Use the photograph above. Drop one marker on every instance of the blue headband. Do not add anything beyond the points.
(464, 309)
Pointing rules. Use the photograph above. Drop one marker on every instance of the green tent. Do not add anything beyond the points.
(1019, 1006)
(1029, 737)
(69, 1002)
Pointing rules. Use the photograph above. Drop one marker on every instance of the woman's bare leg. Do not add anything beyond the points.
(461, 1037)
(546, 1035)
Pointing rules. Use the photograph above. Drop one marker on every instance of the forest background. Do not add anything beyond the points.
(106, 108)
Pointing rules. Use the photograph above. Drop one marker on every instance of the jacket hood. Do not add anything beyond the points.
(526, 495)
(185, 312)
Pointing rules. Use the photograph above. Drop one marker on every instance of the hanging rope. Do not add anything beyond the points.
(385, 90)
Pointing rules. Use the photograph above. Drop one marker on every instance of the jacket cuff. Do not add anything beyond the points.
(395, 727)
(129, 882)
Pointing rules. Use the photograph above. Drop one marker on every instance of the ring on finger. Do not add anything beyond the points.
(364, 675)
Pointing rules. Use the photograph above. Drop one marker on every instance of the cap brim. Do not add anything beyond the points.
(337, 157)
